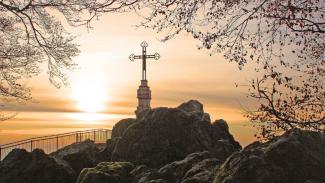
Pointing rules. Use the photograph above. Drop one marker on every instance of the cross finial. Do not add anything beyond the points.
(144, 58)
(144, 44)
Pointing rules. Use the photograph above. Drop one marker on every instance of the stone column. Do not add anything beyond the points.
(144, 97)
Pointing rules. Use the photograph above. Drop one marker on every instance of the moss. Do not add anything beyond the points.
(117, 172)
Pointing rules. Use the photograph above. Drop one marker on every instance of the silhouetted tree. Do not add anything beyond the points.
(286, 103)
(32, 35)
(285, 37)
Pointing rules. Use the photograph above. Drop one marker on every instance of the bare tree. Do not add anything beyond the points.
(286, 103)
(285, 37)
(32, 35)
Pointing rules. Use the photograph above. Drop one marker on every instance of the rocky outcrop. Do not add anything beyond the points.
(107, 172)
(295, 157)
(174, 145)
(164, 135)
(35, 167)
(79, 155)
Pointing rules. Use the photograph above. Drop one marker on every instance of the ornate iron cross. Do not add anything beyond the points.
(144, 57)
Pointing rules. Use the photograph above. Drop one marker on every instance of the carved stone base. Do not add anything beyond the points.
(144, 97)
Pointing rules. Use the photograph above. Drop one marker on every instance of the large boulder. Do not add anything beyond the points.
(107, 172)
(79, 155)
(163, 135)
(33, 167)
(295, 157)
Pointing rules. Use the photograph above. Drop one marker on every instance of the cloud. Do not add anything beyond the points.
(209, 93)
(46, 105)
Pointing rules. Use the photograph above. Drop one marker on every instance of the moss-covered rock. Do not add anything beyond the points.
(107, 172)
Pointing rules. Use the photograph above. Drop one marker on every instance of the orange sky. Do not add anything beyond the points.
(103, 90)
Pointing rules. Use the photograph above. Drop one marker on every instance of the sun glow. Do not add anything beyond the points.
(90, 93)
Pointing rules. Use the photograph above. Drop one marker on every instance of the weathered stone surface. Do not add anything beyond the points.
(107, 172)
(79, 155)
(196, 167)
(201, 172)
(121, 126)
(296, 157)
(106, 153)
(175, 171)
(21, 166)
(164, 135)
(311, 181)
(221, 131)
(192, 106)
(144, 174)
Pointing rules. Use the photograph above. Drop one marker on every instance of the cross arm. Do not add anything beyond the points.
(150, 56)
(156, 56)
(132, 57)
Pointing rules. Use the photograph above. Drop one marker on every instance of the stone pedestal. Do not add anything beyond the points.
(144, 97)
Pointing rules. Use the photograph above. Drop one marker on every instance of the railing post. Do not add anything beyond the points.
(106, 135)
(77, 137)
(57, 142)
(31, 145)
(94, 136)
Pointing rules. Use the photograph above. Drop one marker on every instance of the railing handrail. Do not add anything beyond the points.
(49, 137)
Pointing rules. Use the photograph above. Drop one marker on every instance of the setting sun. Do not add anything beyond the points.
(90, 94)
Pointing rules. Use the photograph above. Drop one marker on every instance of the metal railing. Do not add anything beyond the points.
(52, 143)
